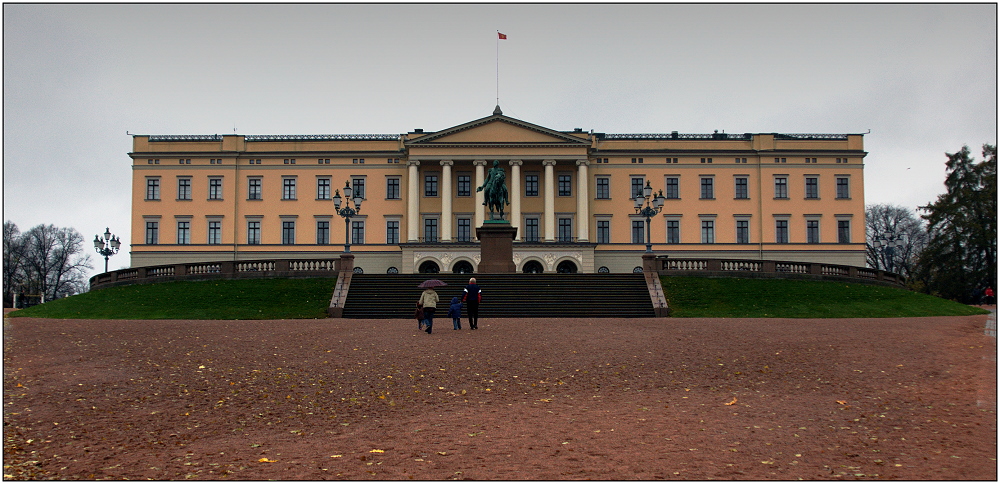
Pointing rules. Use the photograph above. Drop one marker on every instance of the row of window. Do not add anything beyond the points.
(257, 161)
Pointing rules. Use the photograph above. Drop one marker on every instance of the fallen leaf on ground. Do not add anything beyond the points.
(732, 402)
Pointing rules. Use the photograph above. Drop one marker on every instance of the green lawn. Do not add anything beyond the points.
(222, 299)
(698, 297)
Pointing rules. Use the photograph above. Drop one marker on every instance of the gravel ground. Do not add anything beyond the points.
(695, 399)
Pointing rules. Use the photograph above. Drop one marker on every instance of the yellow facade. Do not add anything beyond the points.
(196, 198)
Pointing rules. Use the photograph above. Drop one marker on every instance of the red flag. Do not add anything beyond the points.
(502, 36)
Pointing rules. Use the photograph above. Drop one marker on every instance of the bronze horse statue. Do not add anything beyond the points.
(494, 190)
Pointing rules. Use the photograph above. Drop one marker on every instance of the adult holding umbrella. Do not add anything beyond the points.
(429, 299)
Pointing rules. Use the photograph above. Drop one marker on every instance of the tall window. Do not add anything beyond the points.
(357, 231)
(812, 231)
(603, 231)
(637, 184)
(288, 189)
(531, 185)
(215, 188)
(183, 232)
(565, 185)
(844, 231)
(322, 188)
(531, 230)
(392, 232)
(741, 188)
(322, 232)
(780, 187)
(214, 232)
(673, 231)
(603, 188)
(430, 185)
(152, 189)
(288, 232)
(253, 189)
(430, 230)
(707, 188)
(673, 188)
(708, 231)
(843, 187)
(253, 233)
(184, 189)
(781, 231)
(638, 232)
(812, 187)
(565, 230)
(152, 232)
(464, 230)
(392, 188)
(742, 231)
(464, 185)
(358, 184)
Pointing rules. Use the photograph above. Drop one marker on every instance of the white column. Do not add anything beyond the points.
(549, 217)
(480, 177)
(582, 202)
(515, 196)
(412, 201)
(446, 194)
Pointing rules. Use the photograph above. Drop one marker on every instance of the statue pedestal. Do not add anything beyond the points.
(496, 246)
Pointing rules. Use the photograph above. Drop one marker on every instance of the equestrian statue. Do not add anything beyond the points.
(495, 191)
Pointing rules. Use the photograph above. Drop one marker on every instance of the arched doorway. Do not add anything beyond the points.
(429, 267)
(462, 267)
(533, 267)
(566, 267)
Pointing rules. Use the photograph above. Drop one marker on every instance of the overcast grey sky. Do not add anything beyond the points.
(922, 78)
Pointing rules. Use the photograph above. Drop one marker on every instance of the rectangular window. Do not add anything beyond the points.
(531, 230)
(565, 185)
(358, 186)
(742, 231)
(253, 189)
(707, 231)
(288, 232)
(742, 191)
(464, 230)
(183, 232)
(214, 232)
(638, 232)
(322, 232)
(844, 231)
(741, 160)
(603, 231)
(392, 188)
(780, 160)
(288, 189)
(781, 231)
(184, 189)
(531, 185)
(707, 188)
(673, 187)
(706, 160)
(810, 160)
(812, 231)
(323, 161)
(253, 233)
(430, 185)
(152, 189)
(359, 161)
(392, 160)
(603, 188)
(565, 230)
(357, 231)
(812, 187)
(215, 188)
(430, 230)
(392, 232)
(673, 231)
(843, 187)
(152, 232)
(637, 185)
(322, 188)
(780, 187)
(672, 160)
(289, 161)
(636, 160)
(464, 185)
(602, 160)
(152, 161)
(254, 162)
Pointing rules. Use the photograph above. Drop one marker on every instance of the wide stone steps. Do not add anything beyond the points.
(392, 296)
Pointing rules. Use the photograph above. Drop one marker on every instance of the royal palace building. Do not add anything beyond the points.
(764, 196)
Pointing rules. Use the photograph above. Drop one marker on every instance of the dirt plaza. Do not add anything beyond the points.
(605, 399)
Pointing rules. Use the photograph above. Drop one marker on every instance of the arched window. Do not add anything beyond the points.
(429, 267)
(533, 267)
(462, 267)
(566, 267)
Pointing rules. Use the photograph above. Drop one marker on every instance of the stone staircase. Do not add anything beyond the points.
(392, 296)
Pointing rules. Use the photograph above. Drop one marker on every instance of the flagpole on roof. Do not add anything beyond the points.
(498, 67)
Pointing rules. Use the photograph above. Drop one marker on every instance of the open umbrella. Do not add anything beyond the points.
(432, 283)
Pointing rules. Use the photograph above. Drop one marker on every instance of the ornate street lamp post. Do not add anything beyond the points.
(652, 207)
(347, 212)
(887, 243)
(108, 246)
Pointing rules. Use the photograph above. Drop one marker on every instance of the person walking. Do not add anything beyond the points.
(455, 312)
(472, 296)
(429, 300)
(990, 296)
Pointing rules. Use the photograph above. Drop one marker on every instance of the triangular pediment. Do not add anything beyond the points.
(498, 129)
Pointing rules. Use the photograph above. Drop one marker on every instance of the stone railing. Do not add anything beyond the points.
(771, 268)
(249, 269)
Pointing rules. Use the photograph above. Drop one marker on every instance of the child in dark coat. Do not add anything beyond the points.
(419, 314)
(455, 312)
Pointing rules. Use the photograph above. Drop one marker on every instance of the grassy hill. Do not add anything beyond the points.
(309, 298)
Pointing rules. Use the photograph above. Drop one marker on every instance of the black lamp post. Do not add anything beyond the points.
(652, 207)
(108, 246)
(347, 212)
(887, 243)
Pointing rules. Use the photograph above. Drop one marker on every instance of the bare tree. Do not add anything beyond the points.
(55, 265)
(901, 224)
(13, 262)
